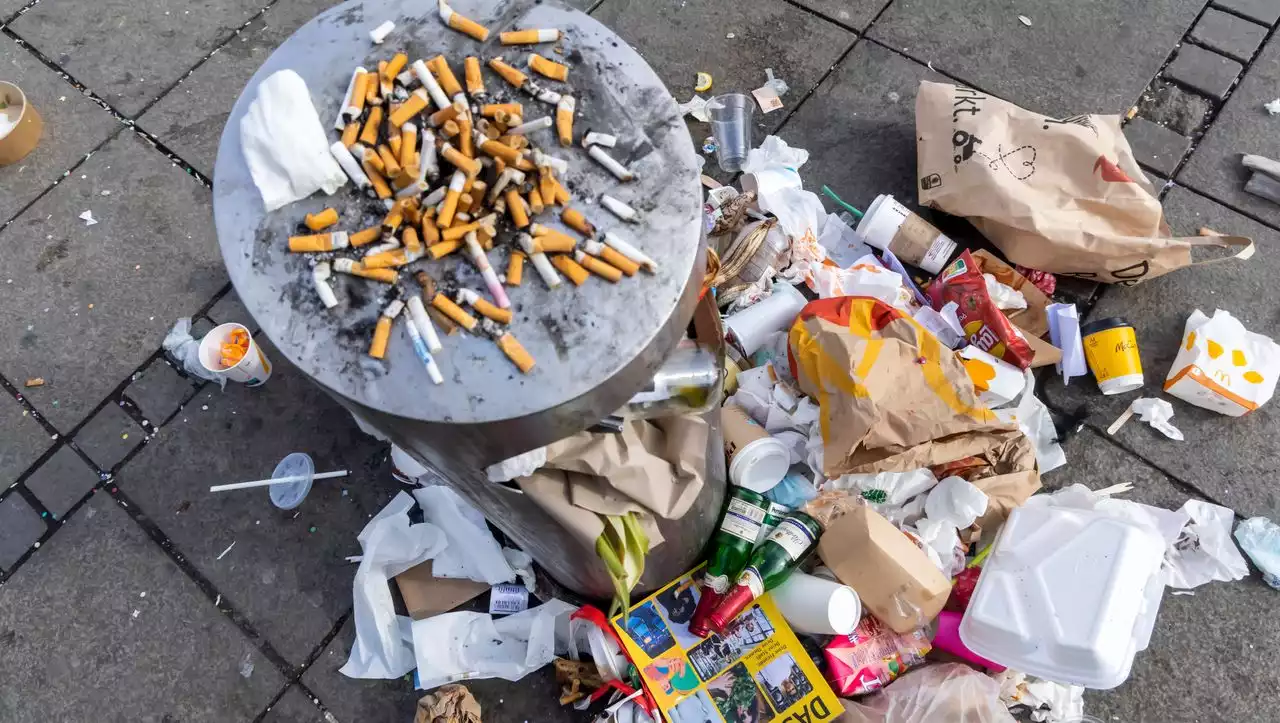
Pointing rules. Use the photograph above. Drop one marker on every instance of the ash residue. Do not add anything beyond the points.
(556, 332)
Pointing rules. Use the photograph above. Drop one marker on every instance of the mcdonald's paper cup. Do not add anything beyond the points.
(253, 370)
(889, 225)
(20, 124)
(817, 606)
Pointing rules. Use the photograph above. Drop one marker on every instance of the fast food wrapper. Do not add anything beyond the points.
(1223, 366)
(872, 656)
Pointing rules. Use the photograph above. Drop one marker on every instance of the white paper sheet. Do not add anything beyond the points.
(1064, 333)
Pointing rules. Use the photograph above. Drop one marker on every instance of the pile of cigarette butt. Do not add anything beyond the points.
(403, 127)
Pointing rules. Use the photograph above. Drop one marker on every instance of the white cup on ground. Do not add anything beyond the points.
(253, 369)
(753, 325)
(817, 606)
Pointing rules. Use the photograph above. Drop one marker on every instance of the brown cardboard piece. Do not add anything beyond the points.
(426, 595)
(893, 577)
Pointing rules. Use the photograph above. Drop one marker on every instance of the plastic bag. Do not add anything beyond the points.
(472, 552)
(1204, 552)
(1032, 417)
(1223, 366)
(943, 692)
(185, 350)
(1259, 537)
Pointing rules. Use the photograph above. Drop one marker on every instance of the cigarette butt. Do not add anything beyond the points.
(501, 150)
(519, 143)
(463, 24)
(464, 208)
(321, 221)
(617, 169)
(540, 262)
(547, 186)
(380, 186)
(413, 106)
(380, 33)
(318, 242)
(386, 276)
(570, 268)
(515, 352)
(385, 260)
(442, 320)
(442, 116)
(346, 113)
(365, 236)
(528, 127)
(371, 90)
(591, 138)
(548, 68)
(477, 193)
(369, 136)
(574, 219)
(515, 269)
(439, 67)
(470, 166)
(535, 201)
(553, 241)
(444, 248)
(546, 95)
(430, 231)
(35, 382)
(502, 316)
(619, 209)
(408, 145)
(453, 311)
(491, 130)
(625, 248)
(408, 177)
(359, 89)
(414, 244)
(615, 259)
(394, 219)
(394, 66)
(381, 335)
(515, 207)
(389, 161)
(491, 110)
(350, 134)
(466, 143)
(598, 267)
(320, 274)
(393, 142)
(562, 195)
(453, 233)
(384, 83)
(508, 73)
(529, 37)
(368, 156)
(475, 80)
(450, 129)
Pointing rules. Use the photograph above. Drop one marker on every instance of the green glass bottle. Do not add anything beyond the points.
(740, 527)
(771, 563)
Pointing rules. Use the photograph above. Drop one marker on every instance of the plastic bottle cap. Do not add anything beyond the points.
(761, 465)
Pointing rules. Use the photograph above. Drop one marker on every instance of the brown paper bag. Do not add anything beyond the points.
(1033, 320)
(1064, 196)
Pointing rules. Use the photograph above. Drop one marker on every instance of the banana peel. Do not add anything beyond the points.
(622, 547)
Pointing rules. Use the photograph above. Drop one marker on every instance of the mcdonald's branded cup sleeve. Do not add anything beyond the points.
(1223, 366)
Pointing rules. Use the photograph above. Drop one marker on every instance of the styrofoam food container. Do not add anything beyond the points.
(1069, 595)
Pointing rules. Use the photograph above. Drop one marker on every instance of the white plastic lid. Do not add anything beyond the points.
(291, 494)
(761, 465)
(844, 610)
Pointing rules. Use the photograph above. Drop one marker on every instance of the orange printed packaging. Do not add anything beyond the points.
(1223, 366)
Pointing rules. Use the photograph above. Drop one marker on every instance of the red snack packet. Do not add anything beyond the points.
(872, 656)
(1043, 280)
(962, 589)
(986, 326)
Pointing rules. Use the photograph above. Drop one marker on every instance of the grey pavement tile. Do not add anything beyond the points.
(1155, 147)
(109, 436)
(230, 309)
(1243, 126)
(1228, 34)
(1203, 70)
(854, 13)
(126, 52)
(1174, 108)
(22, 440)
(200, 327)
(82, 642)
(1228, 459)
(1092, 58)
(1263, 11)
(73, 126)
(20, 527)
(189, 119)
(679, 38)
(158, 391)
(62, 481)
(291, 583)
(150, 258)
(1096, 463)
(294, 707)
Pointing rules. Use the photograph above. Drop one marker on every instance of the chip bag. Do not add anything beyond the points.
(987, 327)
(872, 656)
(1223, 366)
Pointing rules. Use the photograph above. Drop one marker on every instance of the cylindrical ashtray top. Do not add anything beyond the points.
(252, 369)
(20, 124)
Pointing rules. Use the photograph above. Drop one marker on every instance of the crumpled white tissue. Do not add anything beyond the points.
(285, 145)
(956, 502)
(186, 351)
(1157, 413)
(1032, 417)
(521, 465)
(1049, 702)
(1204, 552)
(472, 552)
(1003, 296)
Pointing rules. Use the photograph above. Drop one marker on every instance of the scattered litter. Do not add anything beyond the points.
(507, 599)
(1111, 351)
(35, 382)
(246, 666)
(1222, 366)
(696, 107)
(730, 36)
(1273, 106)
(767, 98)
(284, 143)
(224, 552)
(380, 33)
(1024, 20)
(703, 82)
(1064, 333)
(709, 145)
(1156, 412)
(88, 218)
(135, 614)
(1259, 537)
(448, 704)
(1204, 551)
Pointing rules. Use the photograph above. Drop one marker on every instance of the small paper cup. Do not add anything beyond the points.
(253, 370)
(20, 139)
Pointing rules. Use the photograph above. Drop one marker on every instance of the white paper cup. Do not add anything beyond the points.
(750, 327)
(888, 224)
(817, 606)
(253, 370)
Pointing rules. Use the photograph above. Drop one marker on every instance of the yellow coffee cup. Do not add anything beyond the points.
(20, 124)
(1111, 350)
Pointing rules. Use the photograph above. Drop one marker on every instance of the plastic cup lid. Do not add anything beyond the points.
(844, 610)
(761, 465)
(289, 496)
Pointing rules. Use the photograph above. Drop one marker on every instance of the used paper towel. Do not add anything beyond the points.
(1204, 552)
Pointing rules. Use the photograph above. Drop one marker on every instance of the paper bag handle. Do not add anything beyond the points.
(1245, 244)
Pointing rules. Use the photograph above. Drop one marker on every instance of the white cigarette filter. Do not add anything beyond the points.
(626, 249)
(546, 95)
(530, 126)
(429, 82)
(380, 33)
(349, 165)
(435, 197)
(491, 281)
(559, 165)
(405, 79)
(320, 278)
(620, 209)
(617, 169)
(418, 318)
(530, 37)
(507, 177)
(342, 119)
(599, 139)
(420, 348)
(540, 262)
(428, 159)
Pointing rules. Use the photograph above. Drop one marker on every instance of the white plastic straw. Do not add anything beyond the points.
(277, 481)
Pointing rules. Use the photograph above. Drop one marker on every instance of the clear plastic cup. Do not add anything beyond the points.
(731, 124)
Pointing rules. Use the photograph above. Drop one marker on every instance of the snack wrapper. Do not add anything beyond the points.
(986, 326)
(872, 656)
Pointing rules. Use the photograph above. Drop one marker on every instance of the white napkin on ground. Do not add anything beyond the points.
(285, 145)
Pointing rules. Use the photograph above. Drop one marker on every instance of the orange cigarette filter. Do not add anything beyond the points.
(312, 243)
(408, 176)
(234, 348)
(394, 66)
(380, 186)
(529, 37)
(574, 219)
(413, 106)
(501, 150)
(430, 231)
(412, 213)
(477, 192)
(443, 116)
(564, 119)
(439, 67)
(350, 134)
(508, 73)
(370, 156)
(450, 128)
(612, 257)
(408, 145)
(562, 196)
(502, 316)
(369, 136)
(365, 237)
(392, 259)
(535, 201)
(552, 241)
(453, 311)
(394, 217)
(547, 185)
(389, 161)
(570, 268)
(453, 233)
(386, 276)
(321, 221)
(466, 143)
(548, 68)
(515, 352)
(475, 79)
(444, 248)
(381, 335)
(371, 90)
(359, 90)
(410, 239)
(515, 207)
(598, 267)
(469, 166)
(515, 269)
(393, 142)
(491, 110)
(464, 24)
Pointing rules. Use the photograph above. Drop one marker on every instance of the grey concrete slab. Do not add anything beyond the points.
(1263, 11)
(20, 527)
(24, 440)
(143, 49)
(189, 119)
(101, 625)
(150, 258)
(230, 309)
(1156, 147)
(1228, 34)
(1242, 127)
(1228, 459)
(1097, 463)
(109, 436)
(1093, 58)
(854, 13)
(679, 38)
(1203, 71)
(294, 707)
(290, 582)
(73, 126)
(62, 481)
(158, 391)
(1169, 105)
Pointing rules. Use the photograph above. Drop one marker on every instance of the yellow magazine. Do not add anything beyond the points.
(757, 672)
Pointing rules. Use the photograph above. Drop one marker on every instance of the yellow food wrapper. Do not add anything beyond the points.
(1223, 366)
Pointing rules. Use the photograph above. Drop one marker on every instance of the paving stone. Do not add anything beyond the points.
(229, 308)
(854, 13)
(190, 118)
(62, 481)
(291, 584)
(1227, 459)
(1091, 58)
(1243, 126)
(1263, 11)
(150, 258)
(1228, 34)
(1157, 148)
(294, 707)
(1174, 108)
(20, 527)
(200, 327)
(158, 391)
(81, 642)
(24, 440)
(1203, 70)
(143, 50)
(109, 436)
(73, 126)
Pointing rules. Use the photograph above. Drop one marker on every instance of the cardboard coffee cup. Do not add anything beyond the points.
(20, 124)
(757, 461)
(888, 225)
(253, 369)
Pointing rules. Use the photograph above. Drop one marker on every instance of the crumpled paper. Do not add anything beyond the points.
(1004, 297)
(1153, 411)
(472, 552)
(186, 351)
(1033, 418)
(449, 704)
(1204, 552)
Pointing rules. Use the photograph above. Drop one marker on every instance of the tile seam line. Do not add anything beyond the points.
(18, 13)
(306, 665)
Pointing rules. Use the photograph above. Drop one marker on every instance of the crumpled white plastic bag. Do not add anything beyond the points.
(1259, 537)
(472, 552)
(901, 492)
(521, 465)
(775, 166)
(186, 351)
(956, 502)
(1204, 552)
(1032, 417)
(1006, 298)
(1049, 702)
(285, 145)
(934, 693)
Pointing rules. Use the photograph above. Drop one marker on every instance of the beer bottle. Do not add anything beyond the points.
(730, 550)
(771, 563)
